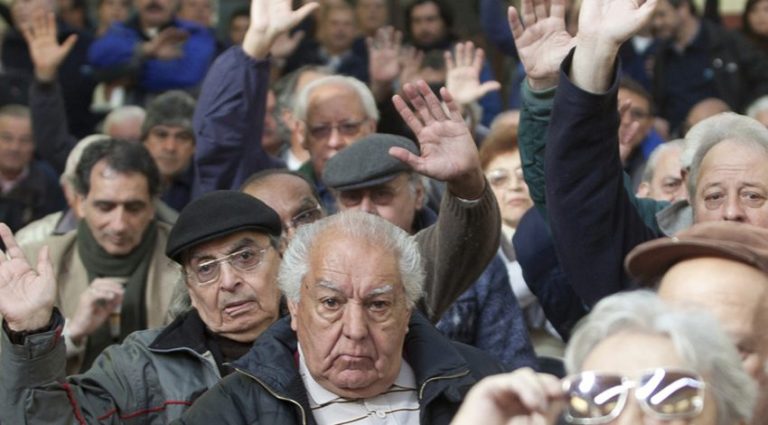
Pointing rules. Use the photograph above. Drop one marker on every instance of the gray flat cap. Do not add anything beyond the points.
(367, 162)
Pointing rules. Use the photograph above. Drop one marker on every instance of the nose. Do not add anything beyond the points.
(367, 205)
(336, 141)
(169, 144)
(733, 210)
(229, 278)
(119, 223)
(355, 325)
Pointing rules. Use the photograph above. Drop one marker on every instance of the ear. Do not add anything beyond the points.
(301, 132)
(643, 190)
(293, 309)
(79, 205)
(420, 193)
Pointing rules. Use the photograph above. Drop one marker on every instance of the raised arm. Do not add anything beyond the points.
(230, 112)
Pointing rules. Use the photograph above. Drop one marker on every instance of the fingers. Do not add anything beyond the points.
(69, 43)
(12, 249)
(417, 101)
(514, 22)
(435, 108)
(540, 9)
(406, 156)
(304, 11)
(529, 17)
(557, 9)
(44, 265)
(407, 114)
(477, 61)
(454, 110)
(488, 87)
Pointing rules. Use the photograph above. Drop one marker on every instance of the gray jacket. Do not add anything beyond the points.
(151, 378)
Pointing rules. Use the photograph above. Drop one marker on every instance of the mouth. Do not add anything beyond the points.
(236, 308)
(153, 7)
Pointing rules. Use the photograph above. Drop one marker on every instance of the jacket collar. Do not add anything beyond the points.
(186, 331)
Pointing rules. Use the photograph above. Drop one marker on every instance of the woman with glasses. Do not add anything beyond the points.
(633, 360)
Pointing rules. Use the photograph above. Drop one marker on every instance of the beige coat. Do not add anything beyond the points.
(72, 278)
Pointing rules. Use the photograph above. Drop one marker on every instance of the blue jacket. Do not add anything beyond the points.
(229, 122)
(114, 55)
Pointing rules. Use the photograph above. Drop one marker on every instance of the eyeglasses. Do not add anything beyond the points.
(381, 195)
(246, 259)
(501, 177)
(595, 398)
(349, 128)
(307, 216)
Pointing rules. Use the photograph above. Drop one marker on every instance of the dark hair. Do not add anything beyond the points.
(240, 11)
(446, 14)
(690, 3)
(745, 26)
(257, 178)
(121, 156)
(638, 89)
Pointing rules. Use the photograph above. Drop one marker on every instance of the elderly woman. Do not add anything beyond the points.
(632, 361)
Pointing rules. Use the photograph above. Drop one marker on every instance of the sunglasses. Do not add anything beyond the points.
(666, 394)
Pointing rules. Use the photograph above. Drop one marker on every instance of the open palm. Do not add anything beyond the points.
(26, 295)
(463, 74)
(614, 20)
(44, 47)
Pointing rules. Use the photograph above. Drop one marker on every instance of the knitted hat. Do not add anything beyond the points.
(172, 108)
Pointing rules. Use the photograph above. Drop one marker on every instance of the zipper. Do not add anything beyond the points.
(277, 396)
(436, 378)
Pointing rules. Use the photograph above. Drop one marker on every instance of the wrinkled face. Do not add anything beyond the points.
(239, 304)
(338, 30)
(758, 17)
(22, 11)
(505, 174)
(118, 208)
(154, 13)
(630, 353)
(395, 201)
(237, 29)
(16, 145)
(666, 21)
(198, 11)
(113, 11)
(352, 316)
(737, 295)
(640, 111)
(371, 15)
(335, 118)
(171, 147)
(427, 26)
(733, 185)
(291, 197)
(667, 181)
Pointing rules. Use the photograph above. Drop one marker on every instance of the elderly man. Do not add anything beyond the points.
(230, 265)
(113, 263)
(168, 136)
(662, 178)
(153, 50)
(722, 267)
(365, 177)
(352, 346)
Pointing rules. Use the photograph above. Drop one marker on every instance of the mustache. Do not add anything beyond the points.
(154, 6)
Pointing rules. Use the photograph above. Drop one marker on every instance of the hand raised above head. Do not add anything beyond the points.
(463, 74)
(26, 295)
(270, 19)
(448, 151)
(384, 55)
(44, 48)
(541, 39)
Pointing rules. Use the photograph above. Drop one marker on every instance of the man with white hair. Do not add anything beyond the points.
(662, 178)
(353, 345)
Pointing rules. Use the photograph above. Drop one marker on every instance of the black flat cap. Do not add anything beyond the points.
(218, 214)
(367, 162)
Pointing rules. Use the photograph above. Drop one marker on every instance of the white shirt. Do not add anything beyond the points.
(399, 405)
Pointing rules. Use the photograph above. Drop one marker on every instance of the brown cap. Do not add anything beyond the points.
(723, 239)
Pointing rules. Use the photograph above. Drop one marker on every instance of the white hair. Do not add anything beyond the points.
(697, 337)
(361, 226)
(124, 113)
(653, 160)
(68, 176)
(705, 135)
(301, 104)
(759, 105)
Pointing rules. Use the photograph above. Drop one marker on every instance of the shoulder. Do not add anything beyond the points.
(480, 363)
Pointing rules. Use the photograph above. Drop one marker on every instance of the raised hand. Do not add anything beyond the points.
(410, 61)
(448, 152)
(522, 396)
(44, 48)
(103, 296)
(270, 19)
(384, 55)
(463, 74)
(26, 295)
(541, 39)
(285, 44)
(613, 21)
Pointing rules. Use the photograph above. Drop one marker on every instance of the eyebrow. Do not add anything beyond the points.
(386, 289)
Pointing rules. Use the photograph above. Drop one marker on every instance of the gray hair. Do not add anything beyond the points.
(653, 160)
(697, 337)
(123, 113)
(725, 126)
(759, 105)
(358, 225)
(301, 104)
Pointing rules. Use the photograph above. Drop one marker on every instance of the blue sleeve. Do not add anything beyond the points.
(594, 222)
(113, 49)
(186, 71)
(229, 121)
(493, 19)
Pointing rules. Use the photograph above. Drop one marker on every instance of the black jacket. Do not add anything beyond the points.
(267, 388)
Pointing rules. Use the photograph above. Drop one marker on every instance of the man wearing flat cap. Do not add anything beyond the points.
(229, 264)
(365, 177)
(721, 266)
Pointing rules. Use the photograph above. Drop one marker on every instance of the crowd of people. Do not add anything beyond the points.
(322, 219)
